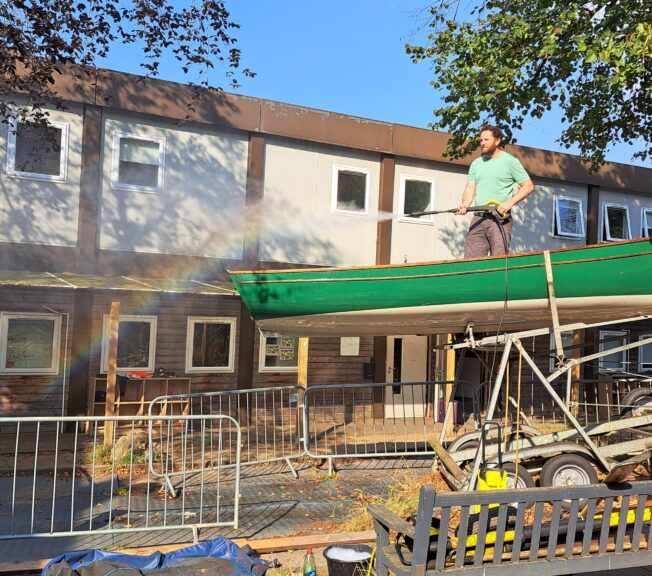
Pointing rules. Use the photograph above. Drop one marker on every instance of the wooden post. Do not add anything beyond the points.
(448, 390)
(302, 368)
(109, 407)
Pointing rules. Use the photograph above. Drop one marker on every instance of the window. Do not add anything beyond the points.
(210, 345)
(278, 354)
(645, 355)
(616, 362)
(615, 222)
(38, 151)
(568, 218)
(566, 343)
(136, 343)
(137, 162)
(417, 195)
(646, 223)
(30, 343)
(350, 190)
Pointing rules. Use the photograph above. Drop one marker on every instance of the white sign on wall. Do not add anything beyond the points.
(350, 346)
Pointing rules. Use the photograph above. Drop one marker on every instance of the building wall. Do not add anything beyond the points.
(298, 223)
(200, 210)
(634, 202)
(37, 211)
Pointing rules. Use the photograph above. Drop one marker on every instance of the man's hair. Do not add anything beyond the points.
(497, 132)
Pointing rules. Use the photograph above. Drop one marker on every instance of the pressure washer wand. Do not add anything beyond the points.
(490, 207)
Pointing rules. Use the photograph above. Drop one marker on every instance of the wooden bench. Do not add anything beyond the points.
(536, 531)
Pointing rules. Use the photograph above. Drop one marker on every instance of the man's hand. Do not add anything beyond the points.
(461, 210)
(503, 208)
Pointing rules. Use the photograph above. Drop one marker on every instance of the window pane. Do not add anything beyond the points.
(417, 197)
(133, 344)
(139, 162)
(351, 189)
(617, 221)
(569, 217)
(29, 343)
(38, 149)
(647, 224)
(613, 361)
(281, 352)
(210, 345)
(645, 354)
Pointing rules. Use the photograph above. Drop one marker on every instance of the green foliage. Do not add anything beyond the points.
(41, 38)
(517, 58)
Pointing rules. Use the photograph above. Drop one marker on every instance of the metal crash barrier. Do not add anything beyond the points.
(66, 476)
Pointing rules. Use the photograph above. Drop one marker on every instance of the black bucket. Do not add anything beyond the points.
(342, 567)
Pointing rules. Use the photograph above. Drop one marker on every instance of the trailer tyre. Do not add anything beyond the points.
(524, 479)
(568, 470)
(637, 402)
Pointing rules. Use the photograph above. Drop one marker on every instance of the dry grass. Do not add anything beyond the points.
(402, 498)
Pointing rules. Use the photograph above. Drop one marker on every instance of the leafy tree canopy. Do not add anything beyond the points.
(514, 59)
(38, 38)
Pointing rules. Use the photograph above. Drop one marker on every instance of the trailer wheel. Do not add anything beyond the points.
(568, 470)
(637, 402)
(524, 479)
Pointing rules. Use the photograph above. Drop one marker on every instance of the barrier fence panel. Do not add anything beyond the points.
(365, 420)
(269, 419)
(69, 476)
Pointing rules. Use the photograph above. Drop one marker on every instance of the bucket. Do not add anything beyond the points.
(348, 559)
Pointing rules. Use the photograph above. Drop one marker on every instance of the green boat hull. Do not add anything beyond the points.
(605, 281)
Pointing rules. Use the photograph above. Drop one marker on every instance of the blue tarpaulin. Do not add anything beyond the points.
(241, 564)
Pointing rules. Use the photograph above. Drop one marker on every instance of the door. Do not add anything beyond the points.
(407, 361)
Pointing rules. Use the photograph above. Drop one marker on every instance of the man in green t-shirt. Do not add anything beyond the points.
(491, 178)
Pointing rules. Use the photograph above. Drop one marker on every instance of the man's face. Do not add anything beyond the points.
(488, 142)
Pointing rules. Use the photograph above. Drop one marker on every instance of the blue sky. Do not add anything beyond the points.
(347, 57)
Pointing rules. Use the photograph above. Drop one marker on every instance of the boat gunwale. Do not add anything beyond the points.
(441, 274)
(438, 262)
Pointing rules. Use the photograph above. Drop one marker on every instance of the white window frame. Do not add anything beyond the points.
(644, 213)
(192, 320)
(63, 160)
(56, 342)
(115, 162)
(553, 348)
(624, 354)
(336, 170)
(642, 368)
(104, 360)
(555, 217)
(605, 222)
(261, 358)
(430, 220)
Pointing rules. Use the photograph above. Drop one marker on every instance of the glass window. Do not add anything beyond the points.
(645, 355)
(568, 219)
(136, 343)
(38, 151)
(646, 220)
(210, 344)
(351, 190)
(30, 343)
(278, 354)
(416, 196)
(616, 362)
(615, 222)
(137, 163)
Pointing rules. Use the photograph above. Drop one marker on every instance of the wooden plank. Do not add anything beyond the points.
(302, 367)
(109, 406)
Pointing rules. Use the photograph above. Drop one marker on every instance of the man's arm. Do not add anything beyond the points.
(524, 190)
(467, 198)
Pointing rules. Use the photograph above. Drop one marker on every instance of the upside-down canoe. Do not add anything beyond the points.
(597, 283)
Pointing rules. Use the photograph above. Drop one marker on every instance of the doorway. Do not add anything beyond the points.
(407, 361)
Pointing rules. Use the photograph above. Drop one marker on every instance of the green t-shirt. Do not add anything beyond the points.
(495, 178)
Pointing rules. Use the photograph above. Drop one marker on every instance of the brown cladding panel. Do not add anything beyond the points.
(325, 127)
(37, 257)
(385, 204)
(422, 144)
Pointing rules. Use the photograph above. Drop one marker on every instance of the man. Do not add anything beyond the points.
(491, 179)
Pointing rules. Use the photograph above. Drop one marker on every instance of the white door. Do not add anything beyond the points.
(407, 361)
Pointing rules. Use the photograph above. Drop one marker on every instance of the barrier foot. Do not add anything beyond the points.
(292, 469)
(331, 466)
(195, 535)
(170, 487)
